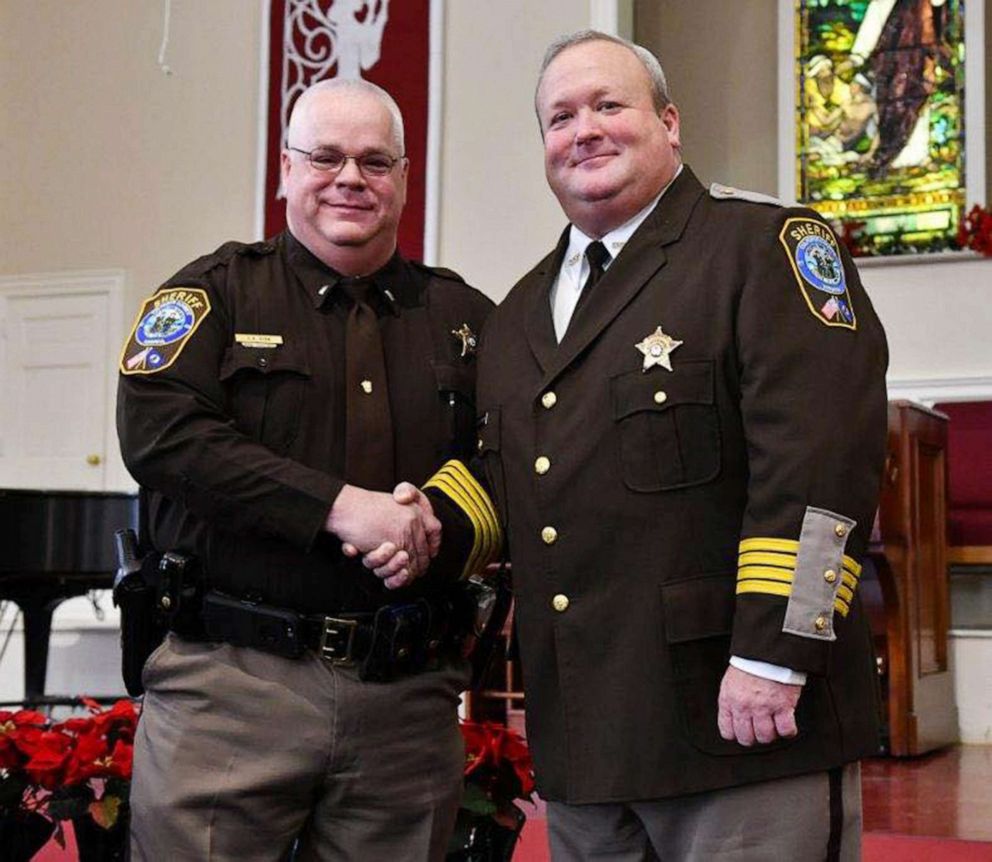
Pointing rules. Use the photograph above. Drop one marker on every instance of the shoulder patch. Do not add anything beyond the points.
(442, 271)
(727, 193)
(164, 324)
(811, 248)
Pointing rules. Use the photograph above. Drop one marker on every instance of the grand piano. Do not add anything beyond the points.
(55, 545)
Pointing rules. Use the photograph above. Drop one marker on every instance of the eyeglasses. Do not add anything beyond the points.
(333, 161)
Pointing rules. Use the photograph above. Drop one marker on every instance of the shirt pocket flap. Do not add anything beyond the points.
(455, 378)
(657, 390)
(238, 358)
(700, 608)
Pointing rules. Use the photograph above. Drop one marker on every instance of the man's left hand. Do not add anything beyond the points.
(753, 709)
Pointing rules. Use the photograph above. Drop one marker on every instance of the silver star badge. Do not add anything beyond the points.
(657, 348)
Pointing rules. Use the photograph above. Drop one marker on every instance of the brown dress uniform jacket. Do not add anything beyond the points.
(663, 519)
(231, 412)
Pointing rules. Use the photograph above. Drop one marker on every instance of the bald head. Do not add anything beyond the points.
(301, 119)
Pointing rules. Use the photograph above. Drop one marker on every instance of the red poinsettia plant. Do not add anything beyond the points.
(975, 231)
(69, 769)
(498, 770)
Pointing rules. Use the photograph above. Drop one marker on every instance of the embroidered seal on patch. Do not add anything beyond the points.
(816, 263)
(163, 327)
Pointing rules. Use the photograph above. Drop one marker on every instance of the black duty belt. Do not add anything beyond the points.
(394, 640)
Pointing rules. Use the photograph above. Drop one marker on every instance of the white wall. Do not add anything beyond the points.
(498, 217)
(971, 657)
(107, 162)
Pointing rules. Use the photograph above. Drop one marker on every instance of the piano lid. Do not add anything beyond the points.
(62, 531)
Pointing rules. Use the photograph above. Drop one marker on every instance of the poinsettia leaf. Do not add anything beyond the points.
(106, 811)
(67, 807)
(475, 800)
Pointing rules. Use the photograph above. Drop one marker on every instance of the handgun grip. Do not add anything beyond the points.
(128, 562)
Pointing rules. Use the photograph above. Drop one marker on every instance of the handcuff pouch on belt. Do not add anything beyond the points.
(153, 591)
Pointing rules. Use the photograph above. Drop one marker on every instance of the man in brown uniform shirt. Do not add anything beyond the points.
(682, 422)
(239, 392)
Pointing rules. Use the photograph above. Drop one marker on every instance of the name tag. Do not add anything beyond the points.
(251, 339)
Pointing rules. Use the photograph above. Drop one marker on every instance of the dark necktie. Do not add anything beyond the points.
(598, 257)
(368, 460)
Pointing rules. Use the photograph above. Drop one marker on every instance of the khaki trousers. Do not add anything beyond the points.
(239, 752)
(809, 817)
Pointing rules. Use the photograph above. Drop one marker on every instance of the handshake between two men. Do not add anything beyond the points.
(397, 533)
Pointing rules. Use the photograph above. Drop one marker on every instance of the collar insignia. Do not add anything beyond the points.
(468, 339)
(657, 348)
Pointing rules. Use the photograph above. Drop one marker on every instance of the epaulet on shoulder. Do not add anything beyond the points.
(201, 267)
(729, 193)
(262, 247)
(440, 271)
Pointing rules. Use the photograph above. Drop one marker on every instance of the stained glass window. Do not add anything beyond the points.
(880, 120)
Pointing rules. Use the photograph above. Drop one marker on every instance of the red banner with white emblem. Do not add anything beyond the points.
(387, 43)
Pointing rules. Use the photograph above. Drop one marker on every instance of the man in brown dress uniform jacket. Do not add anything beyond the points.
(271, 396)
(682, 421)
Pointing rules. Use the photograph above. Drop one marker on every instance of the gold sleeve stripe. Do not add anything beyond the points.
(470, 484)
(767, 573)
(787, 561)
(788, 546)
(481, 541)
(473, 504)
(768, 587)
(492, 536)
(767, 566)
(456, 482)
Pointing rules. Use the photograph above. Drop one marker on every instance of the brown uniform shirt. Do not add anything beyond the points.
(237, 435)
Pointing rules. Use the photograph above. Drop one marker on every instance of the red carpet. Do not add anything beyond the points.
(876, 847)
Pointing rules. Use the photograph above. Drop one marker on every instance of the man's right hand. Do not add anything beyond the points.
(368, 520)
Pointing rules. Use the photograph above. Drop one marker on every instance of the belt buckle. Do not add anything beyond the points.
(333, 627)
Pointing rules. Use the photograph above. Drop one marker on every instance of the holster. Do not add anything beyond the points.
(151, 590)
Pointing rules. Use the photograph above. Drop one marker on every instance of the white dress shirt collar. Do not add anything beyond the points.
(575, 268)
